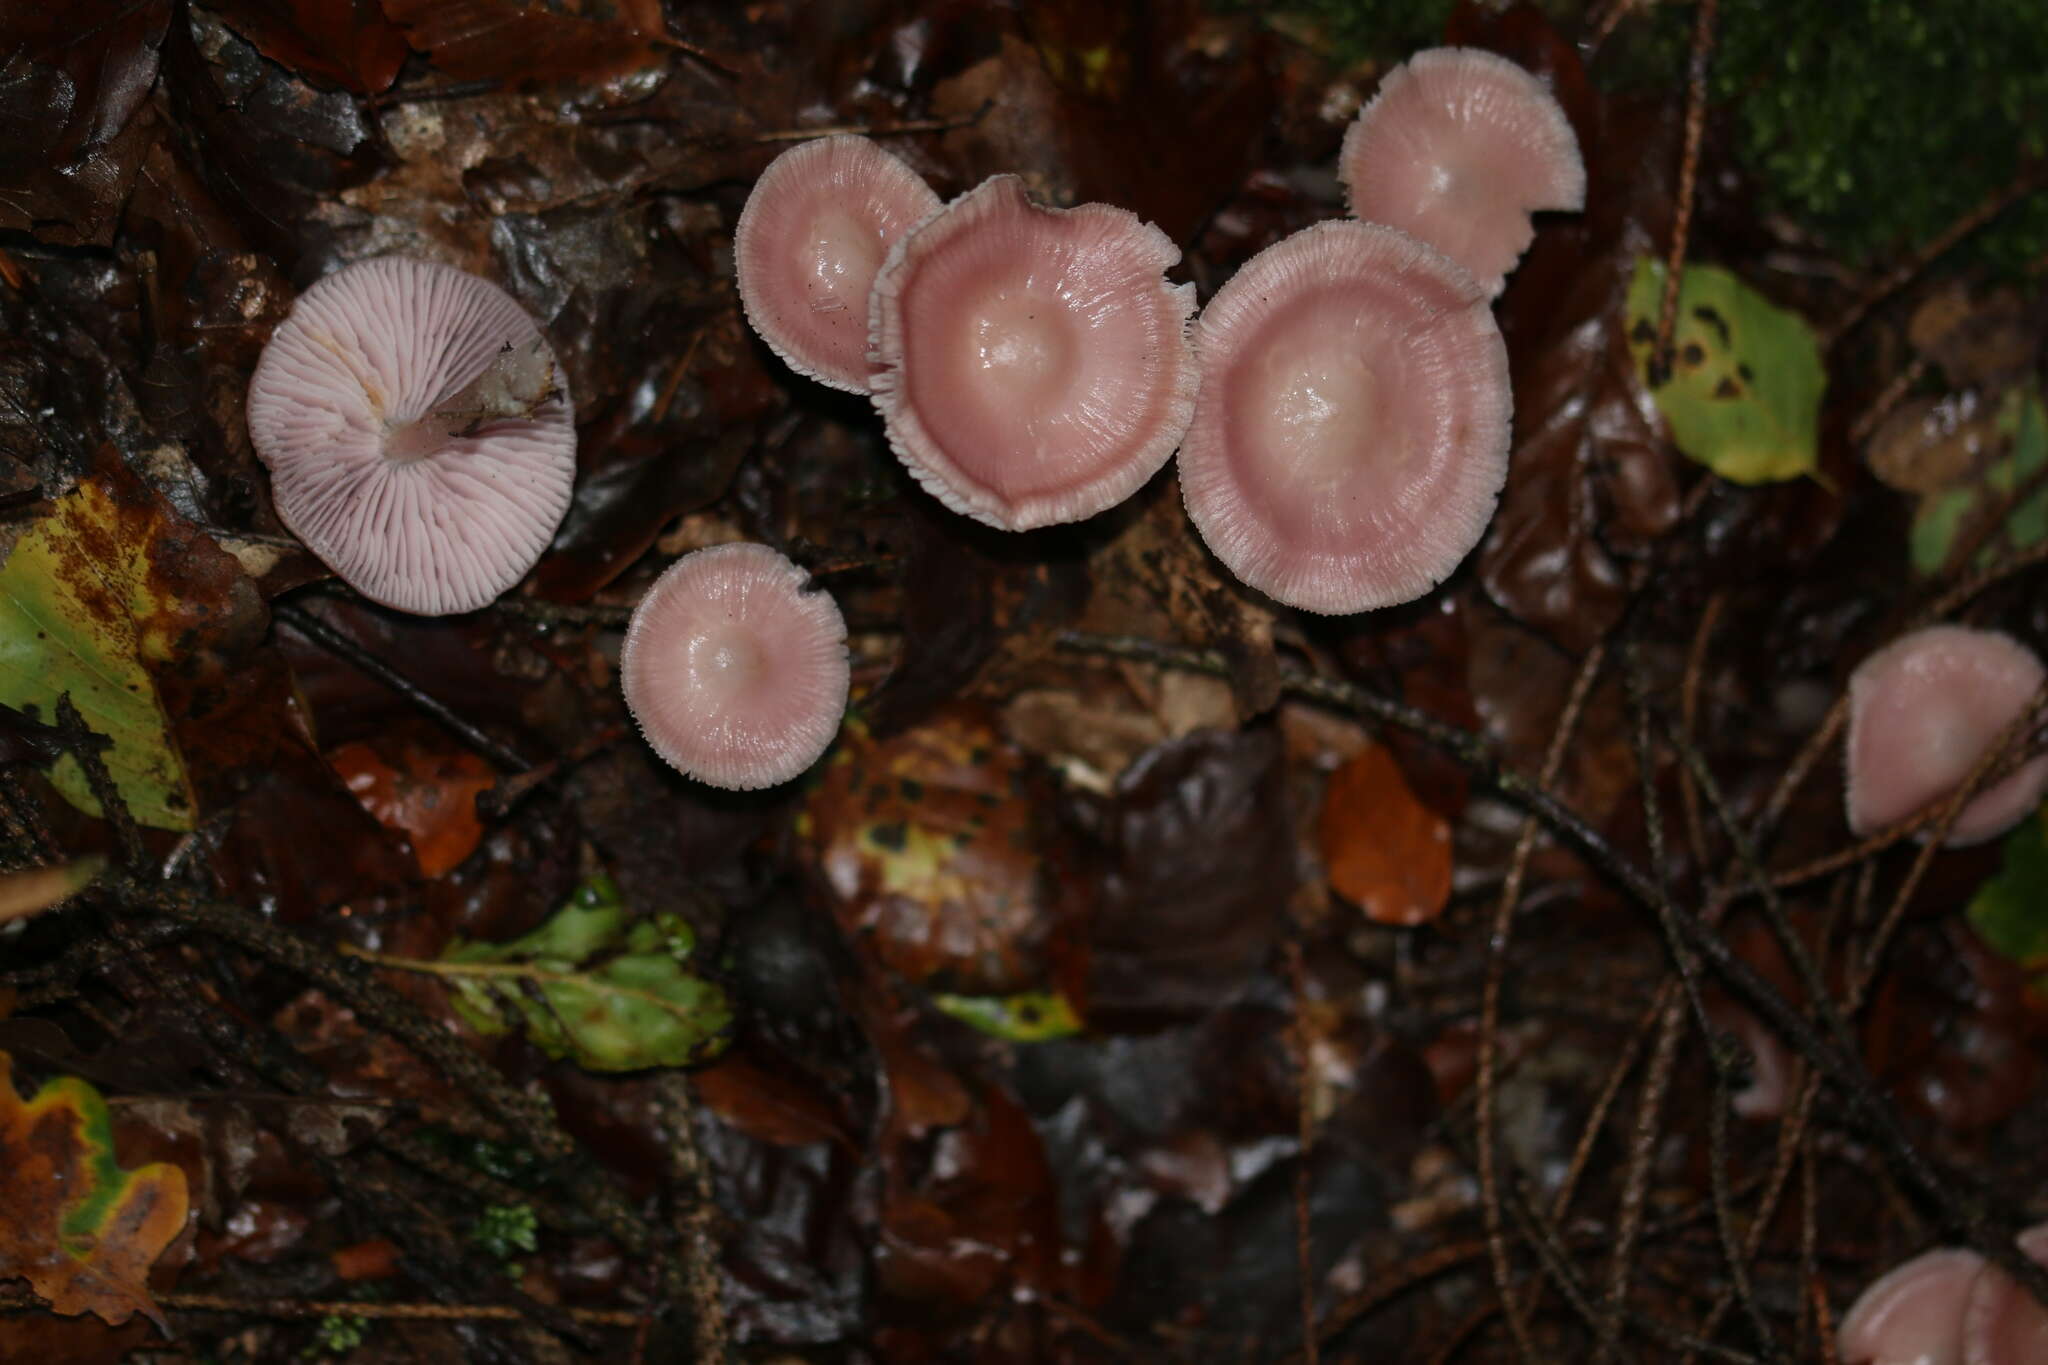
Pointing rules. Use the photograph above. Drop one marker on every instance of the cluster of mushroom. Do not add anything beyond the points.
(1341, 408)
(1949, 1307)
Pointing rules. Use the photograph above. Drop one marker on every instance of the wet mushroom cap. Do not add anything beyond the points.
(1351, 437)
(419, 437)
(1922, 711)
(816, 228)
(1036, 366)
(1458, 148)
(1913, 1314)
(735, 669)
(2002, 1323)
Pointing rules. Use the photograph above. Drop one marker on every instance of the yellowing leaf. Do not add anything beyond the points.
(1743, 395)
(82, 1231)
(77, 597)
(36, 889)
(1385, 851)
(1031, 1017)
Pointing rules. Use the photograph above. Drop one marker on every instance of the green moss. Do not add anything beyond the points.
(1876, 123)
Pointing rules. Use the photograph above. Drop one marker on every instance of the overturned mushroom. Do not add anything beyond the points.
(418, 433)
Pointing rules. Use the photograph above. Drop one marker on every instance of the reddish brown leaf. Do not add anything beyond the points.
(340, 42)
(82, 1231)
(429, 797)
(528, 41)
(376, 1259)
(1384, 850)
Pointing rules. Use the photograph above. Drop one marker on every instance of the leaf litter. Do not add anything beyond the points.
(997, 1042)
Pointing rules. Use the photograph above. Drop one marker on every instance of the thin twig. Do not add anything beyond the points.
(1688, 183)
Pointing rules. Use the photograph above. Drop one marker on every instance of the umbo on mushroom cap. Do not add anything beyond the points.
(1913, 1314)
(735, 669)
(816, 228)
(1035, 362)
(1351, 437)
(1922, 711)
(418, 433)
(1458, 148)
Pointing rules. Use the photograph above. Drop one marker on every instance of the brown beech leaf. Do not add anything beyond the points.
(82, 1231)
(524, 42)
(338, 42)
(430, 797)
(1385, 851)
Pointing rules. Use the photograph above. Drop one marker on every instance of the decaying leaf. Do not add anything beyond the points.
(1031, 1017)
(429, 797)
(1743, 395)
(82, 1231)
(1383, 849)
(590, 984)
(78, 599)
(1958, 512)
(38, 888)
(2010, 910)
(524, 41)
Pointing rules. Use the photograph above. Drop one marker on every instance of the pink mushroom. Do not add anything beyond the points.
(1035, 360)
(1913, 1315)
(2002, 1323)
(419, 436)
(1922, 711)
(1458, 148)
(735, 670)
(1352, 432)
(817, 226)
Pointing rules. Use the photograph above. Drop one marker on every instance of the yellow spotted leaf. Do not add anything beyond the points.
(80, 612)
(82, 1231)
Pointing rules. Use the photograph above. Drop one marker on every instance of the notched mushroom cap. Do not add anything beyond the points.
(418, 433)
(816, 228)
(735, 670)
(1922, 710)
(1458, 148)
(1351, 436)
(1035, 362)
(1913, 1314)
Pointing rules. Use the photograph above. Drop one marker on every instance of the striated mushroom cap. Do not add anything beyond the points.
(419, 436)
(1035, 363)
(735, 669)
(1457, 149)
(2002, 1323)
(1913, 1314)
(1922, 710)
(1351, 437)
(818, 225)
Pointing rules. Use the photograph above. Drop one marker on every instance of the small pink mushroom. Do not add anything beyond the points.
(735, 669)
(1458, 148)
(818, 225)
(1922, 711)
(419, 436)
(1913, 1315)
(2002, 1323)
(1035, 360)
(1351, 436)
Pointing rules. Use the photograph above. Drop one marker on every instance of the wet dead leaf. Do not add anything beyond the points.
(429, 797)
(1383, 849)
(525, 42)
(339, 42)
(82, 1231)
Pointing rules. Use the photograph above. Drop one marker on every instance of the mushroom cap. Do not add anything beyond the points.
(1036, 366)
(1913, 1314)
(1351, 437)
(419, 436)
(1457, 149)
(734, 669)
(2002, 1323)
(816, 228)
(1922, 710)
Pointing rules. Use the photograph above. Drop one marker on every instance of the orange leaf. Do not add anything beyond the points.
(1385, 851)
(82, 1231)
(430, 797)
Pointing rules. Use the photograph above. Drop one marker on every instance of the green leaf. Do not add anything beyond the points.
(1032, 1017)
(1743, 396)
(1950, 515)
(2010, 910)
(77, 598)
(589, 984)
